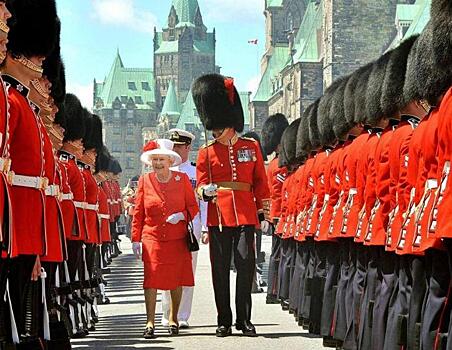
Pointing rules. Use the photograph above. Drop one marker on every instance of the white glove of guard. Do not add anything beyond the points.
(265, 226)
(210, 190)
(175, 218)
(136, 248)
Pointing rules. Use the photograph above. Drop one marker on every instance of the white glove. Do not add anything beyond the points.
(175, 218)
(265, 226)
(136, 248)
(210, 190)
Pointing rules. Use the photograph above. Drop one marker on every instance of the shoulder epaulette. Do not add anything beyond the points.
(248, 139)
(210, 143)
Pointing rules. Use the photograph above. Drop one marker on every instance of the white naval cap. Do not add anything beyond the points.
(181, 137)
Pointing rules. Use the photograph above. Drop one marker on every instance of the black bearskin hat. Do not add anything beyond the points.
(324, 121)
(314, 134)
(349, 94)
(75, 118)
(272, 131)
(218, 102)
(54, 71)
(102, 159)
(392, 90)
(360, 95)
(441, 19)
(288, 145)
(114, 166)
(93, 134)
(410, 86)
(304, 146)
(341, 125)
(433, 79)
(374, 113)
(60, 116)
(35, 29)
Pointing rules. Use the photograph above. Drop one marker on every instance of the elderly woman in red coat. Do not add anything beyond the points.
(164, 203)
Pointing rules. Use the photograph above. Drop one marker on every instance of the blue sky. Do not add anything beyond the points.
(92, 31)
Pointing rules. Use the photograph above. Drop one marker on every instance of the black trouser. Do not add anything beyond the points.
(387, 278)
(74, 260)
(273, 267)
(285, 265)
(308, 283)
(418, 294)
(365, 326)
(297, 275)
(398, 306)
(239, 240)
(24, 294)
(331, 255)
(358, 286)
(303, 271)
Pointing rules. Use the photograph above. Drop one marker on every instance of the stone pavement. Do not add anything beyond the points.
(121, 322)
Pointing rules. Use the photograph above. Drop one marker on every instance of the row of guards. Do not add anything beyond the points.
(59, 194)
(362, 200)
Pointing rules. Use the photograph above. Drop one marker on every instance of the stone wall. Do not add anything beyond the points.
(355, 32)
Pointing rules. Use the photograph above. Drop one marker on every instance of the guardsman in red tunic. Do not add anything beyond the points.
(231, 176)
(272, 131)
(4, 154)
(288, 228)
(30, 41)
(73, 194)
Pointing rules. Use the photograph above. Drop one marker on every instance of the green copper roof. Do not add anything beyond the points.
(245, 99)
(274, 3)
(201, 46)
(188, 114)
(421, 18)
(127, 83)
(171, 105)
(306, 41)
(276, 63)
(186, 11)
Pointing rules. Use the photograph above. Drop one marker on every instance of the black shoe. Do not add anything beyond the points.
(272, 300)
(285, 305)
(223, 331)
(79, 334)
(173, 329)
(247, 328)
(148, 333)
(92, 328)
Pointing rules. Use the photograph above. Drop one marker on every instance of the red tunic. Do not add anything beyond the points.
(378, 220)
(310, 196)
(4, 154)
(91, 207)
(104, 216)
(26, 150)
(304, 199)
(295, 195)
(282, 227)
(56, 242)
(367, 183)
(320, 196)
(240, 162)
(426, 184)
(276, 177)
(317, 183)
(354, 200)
(444, 193)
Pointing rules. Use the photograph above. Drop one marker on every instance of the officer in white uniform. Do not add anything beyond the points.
(182, 145)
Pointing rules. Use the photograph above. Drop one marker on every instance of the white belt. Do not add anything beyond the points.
(5, 165)
(37, 182)
(80, 205)
(92, 206)
(353, 191)
(67, 196)
(52, 190)
(431, 184)
(104, 216)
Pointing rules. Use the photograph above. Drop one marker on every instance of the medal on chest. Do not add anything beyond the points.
(246, 155)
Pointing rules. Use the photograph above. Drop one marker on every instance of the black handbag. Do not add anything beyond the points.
(192, 242)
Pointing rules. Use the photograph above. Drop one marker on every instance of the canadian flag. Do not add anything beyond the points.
(254, 41)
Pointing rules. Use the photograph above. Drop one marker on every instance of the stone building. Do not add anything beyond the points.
(183, 50)
(125, 101)
(334, 38)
